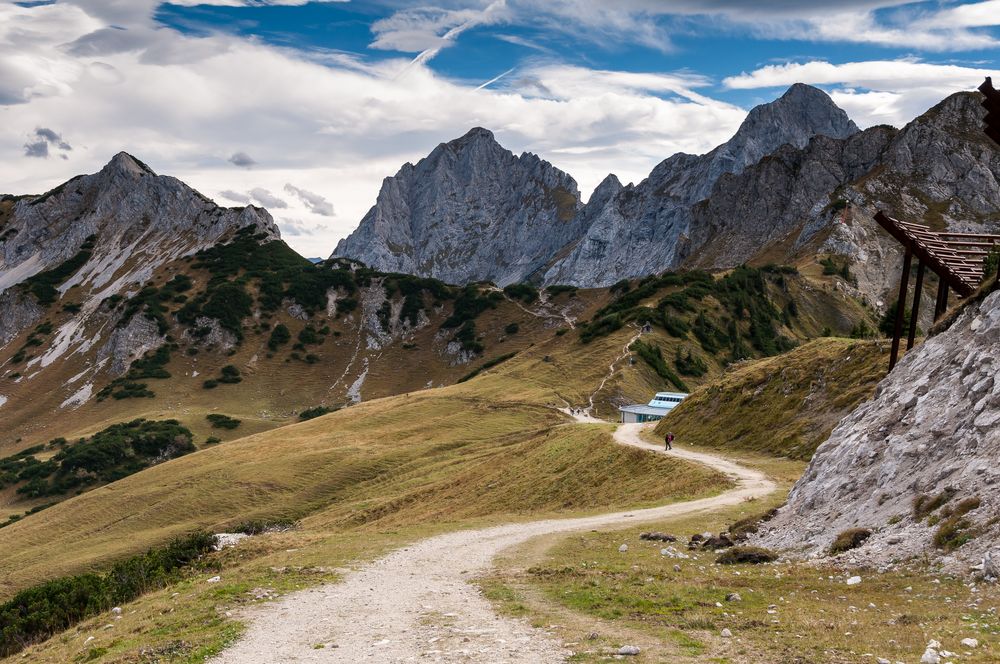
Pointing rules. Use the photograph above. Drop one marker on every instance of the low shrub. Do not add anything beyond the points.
(924, 504)
(743, 528)
(746, 555)
(487, 365)
(849, 539)
(258, 526)
(39, 612)
(954, 532)
(512, 328)
(654, 358)
(316, 411)
(220, 421)
(279, 335)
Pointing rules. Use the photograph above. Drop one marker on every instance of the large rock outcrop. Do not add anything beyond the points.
(932, 431)
(469, 211)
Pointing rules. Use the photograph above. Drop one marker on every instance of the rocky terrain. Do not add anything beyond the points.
(469, 211)
(916, 466)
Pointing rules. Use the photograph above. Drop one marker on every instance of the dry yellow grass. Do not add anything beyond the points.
(488, 447)
(785, 405)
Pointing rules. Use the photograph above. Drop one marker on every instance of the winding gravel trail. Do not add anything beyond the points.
(416, 604)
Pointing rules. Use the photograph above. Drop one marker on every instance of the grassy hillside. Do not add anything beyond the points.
(491, 446)
(783, 406)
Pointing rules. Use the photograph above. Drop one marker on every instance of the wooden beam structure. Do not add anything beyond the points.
(956, 259)
(992, 105)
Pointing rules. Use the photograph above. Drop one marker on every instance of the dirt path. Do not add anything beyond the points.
(416, 604)
(626, 351)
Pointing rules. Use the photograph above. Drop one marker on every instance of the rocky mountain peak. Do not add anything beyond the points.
(470, 210)
(125, 164)
(794, 118)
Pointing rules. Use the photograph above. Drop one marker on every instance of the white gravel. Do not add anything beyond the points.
(417, 603)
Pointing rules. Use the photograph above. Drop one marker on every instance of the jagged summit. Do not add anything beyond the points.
(470, 210)
(126, 164)
(135, 217)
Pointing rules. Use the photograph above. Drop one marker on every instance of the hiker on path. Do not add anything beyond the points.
(668, 441)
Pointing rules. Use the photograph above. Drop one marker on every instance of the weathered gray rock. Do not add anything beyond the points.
(469, 211)
(931, 425)
(646, 228)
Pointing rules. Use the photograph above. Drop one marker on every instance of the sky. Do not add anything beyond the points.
(304, 107)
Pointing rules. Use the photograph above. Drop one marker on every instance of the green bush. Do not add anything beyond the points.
(512, 328)
(316, 411)
(42, 611)
(220, 421)
(746, 555)
(690, 365)
(487, 365)
(279, 336)
(524, 292)
(43, 285)
(260, 526)
(109, 455)
(654, 358)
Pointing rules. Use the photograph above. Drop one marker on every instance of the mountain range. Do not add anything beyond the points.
(798, 178)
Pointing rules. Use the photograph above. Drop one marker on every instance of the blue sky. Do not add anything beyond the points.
(305, 106)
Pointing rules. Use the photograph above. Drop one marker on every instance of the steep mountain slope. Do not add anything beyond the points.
(95, 235)
(939, 169)
(784, 405)
(469, 211)
(644, 228)
(917, 464)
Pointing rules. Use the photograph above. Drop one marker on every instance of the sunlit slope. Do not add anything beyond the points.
(490, 447)
(785, 405)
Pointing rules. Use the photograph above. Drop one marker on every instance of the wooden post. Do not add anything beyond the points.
(897, 330)
(942, 298)
(915, 310)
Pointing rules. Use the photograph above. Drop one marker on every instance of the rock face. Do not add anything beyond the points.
(469, 211)
(933, 430)
(940, 169)
(140, 220)
(472, 210)
(645, 228)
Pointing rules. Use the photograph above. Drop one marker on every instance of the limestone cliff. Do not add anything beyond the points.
(469, 211)
(917, 464)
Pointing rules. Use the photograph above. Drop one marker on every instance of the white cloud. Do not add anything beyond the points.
(267, 199)
(872, 92)
(334, 129)
(335, 125)
(314, 202)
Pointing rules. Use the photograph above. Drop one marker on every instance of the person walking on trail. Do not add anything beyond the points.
(668, 441)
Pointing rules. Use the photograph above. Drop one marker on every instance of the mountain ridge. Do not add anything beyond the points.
(587, 254)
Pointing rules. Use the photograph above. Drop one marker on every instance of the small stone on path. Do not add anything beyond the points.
(629, 650)
(854, 580)
(623, 548)
(726, 634)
